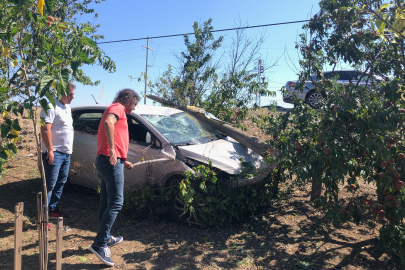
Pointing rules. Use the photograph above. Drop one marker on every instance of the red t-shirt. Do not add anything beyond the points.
(121, 137)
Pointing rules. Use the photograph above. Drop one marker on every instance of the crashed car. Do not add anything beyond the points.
(164, 144)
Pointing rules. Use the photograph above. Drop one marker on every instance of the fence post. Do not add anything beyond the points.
(59, 227)
(40, 209)
(19, 208)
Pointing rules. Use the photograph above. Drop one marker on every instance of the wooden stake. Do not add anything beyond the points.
(44, 215)
(19, 209)
(40, 209)
(59, 227)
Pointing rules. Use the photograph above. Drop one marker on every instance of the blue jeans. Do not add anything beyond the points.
(111, 197)
(56, 176)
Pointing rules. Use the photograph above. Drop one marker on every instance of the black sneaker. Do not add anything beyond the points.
(103, 254)
(114, 240)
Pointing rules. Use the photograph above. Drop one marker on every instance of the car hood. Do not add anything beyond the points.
(224, 154)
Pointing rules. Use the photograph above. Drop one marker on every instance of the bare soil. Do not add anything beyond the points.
(290, 235)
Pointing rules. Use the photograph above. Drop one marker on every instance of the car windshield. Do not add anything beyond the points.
(182, 128)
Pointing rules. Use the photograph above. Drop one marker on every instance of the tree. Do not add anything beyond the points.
(42, 49)
(197, 83)
(357, 134)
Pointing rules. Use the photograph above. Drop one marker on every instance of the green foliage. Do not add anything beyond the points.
(197, 83)
(41, 51)
(211, 198)
(358, 133)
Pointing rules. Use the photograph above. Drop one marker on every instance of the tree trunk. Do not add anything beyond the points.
(316, 188)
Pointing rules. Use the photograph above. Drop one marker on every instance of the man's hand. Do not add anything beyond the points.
(50, 157)
(113, 157)
(128, 165)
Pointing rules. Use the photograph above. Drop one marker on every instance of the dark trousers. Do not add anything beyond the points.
(56, 177)
(111, 197)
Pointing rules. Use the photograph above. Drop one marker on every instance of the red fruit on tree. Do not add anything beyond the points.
(380, 217)
(299, 144)
(400, 183)
(381, 212)
(364, 200)
(352, 186)
(384, 164)
(388, 146)
(379, 207)
(391, 141)
(374, 210)
(363, 20)
(391, 161)
(388, 104)
(370, 202)
(336, 108)
(201, 44)
(390, 197)
(48, 23)
(50, 18)
(396, 175)
(326, 151)
(401, 155)
(381, 175)
(365, 153)
(297, 149)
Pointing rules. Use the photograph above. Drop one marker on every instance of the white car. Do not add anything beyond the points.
(312, 97)
(164, 143)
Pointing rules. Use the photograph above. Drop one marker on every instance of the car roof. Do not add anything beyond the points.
(139, 109)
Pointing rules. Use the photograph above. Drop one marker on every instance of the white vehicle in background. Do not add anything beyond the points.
(312, 97)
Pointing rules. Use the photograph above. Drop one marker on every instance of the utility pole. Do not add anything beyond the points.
(146, 71)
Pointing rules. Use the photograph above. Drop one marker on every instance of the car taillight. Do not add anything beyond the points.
(290, 84)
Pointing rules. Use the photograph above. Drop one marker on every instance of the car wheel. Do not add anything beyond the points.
(313, 98)
(178, 210)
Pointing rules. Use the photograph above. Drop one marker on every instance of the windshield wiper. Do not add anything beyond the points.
(183, 144)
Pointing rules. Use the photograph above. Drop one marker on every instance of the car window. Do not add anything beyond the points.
(344, 75)
(137, 133)
(329, 75)
(88, 122)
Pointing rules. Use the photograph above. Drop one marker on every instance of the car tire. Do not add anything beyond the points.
(176, 204)
(313, 97)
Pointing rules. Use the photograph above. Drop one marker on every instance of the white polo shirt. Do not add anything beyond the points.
(62, 127)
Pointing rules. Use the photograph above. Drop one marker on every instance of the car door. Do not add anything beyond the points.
(82, 170)
(145, 153)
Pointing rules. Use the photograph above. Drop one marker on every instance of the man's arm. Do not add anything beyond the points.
(47, 138)
(109, 125)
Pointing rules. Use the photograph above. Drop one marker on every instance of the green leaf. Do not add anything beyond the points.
(64, 76)
(5, 129)
(12, 147)
(74, 65)
(44, 105)
(15, 125)
(46, 46)
(384, 6)
(44, 85)
(4, 154)
(83, 57)
(88, 41)
(88, 29)
(50, 99)
(83, 259)
(381, 26)
(14, 30)
(49, 6)
(3, 90)
(27, 38)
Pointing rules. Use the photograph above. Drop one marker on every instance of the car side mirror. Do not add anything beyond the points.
(148, 138)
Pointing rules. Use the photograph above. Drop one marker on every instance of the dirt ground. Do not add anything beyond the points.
(290, 235)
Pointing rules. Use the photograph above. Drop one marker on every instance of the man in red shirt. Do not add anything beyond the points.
(112, 144)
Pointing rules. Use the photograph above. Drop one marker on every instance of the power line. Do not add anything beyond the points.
(221, 30)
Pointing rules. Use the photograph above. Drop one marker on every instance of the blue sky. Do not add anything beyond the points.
(125, 19)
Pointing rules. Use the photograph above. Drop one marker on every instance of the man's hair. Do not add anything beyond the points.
(126, 95)
(72, 86)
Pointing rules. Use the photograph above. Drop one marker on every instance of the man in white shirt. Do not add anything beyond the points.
(57, 145)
